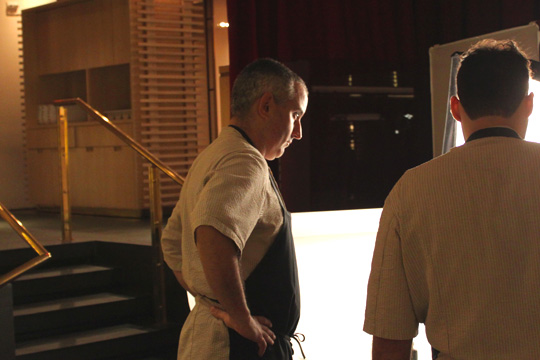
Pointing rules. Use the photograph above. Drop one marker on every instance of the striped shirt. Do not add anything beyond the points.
(228, 187)
(458, 248)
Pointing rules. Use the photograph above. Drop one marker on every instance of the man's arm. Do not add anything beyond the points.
(386, 349)
(219, 258)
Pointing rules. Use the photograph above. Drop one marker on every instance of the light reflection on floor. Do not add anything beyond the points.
(334, 251)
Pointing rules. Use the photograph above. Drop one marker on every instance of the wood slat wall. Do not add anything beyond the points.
(20, 55)
(169, 42)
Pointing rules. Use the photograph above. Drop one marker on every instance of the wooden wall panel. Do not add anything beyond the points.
(143, 61)
(62, 33)
(173, 87)
(96, 181)
(30, 68)
(96, 135)
(44, 177)
(47, 138)
(83, 35)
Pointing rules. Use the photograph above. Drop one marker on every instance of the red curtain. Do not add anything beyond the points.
(375, 34)
(366, 40)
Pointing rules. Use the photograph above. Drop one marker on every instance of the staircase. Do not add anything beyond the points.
(93, 301)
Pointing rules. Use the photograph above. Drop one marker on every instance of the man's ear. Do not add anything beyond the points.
(529, 101)
(454, 108)
(263, 105)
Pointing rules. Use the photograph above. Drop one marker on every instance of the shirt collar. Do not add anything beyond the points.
(243, 133)
(493, 131)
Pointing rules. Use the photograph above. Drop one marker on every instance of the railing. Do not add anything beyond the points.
(156, 217)
(43, 254)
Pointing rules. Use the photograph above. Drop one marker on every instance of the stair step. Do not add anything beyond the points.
(68, 303)
(65, 254)
(67, 314)
(76, 279)
(64, 271)
(82, 338)
(88, 303)
(96, 344)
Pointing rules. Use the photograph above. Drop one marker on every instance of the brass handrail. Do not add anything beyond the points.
(123, 136)
(19, 228)
(156, 217)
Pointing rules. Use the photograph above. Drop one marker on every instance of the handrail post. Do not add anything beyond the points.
(160, 309)
(156, 218)
(19, 228)
(63, 150)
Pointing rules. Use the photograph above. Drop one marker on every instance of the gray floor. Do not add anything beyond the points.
(46, 228)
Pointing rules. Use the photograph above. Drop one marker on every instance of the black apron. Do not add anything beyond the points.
(272, 291)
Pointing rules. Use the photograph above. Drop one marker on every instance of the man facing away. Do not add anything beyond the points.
(458, 246)
(229, 238)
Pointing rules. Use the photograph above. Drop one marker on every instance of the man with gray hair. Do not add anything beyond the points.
(229, 239)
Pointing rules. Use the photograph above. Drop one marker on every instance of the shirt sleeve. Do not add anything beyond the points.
(171, 241)
(232, 197)
(389, 309)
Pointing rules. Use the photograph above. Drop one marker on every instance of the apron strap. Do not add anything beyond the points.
(276, 189)
(272, 179)
(300, 338)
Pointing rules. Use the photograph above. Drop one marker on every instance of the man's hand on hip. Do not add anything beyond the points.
(256, 328)
(220, 260)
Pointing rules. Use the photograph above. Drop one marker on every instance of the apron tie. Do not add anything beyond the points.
(300, 338)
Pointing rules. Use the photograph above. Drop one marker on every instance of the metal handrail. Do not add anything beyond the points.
(19, 228)
(123, 136)
(156, 216)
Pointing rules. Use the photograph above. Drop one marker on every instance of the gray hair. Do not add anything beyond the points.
(259, 77)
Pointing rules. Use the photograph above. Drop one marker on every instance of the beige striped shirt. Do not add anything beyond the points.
(458, 249)
(228, 188)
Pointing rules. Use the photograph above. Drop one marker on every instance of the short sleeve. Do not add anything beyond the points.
(389, 309)
(171, 244)
(232, 196)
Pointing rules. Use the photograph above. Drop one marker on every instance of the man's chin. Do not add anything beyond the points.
(281, 153)
(275, 156)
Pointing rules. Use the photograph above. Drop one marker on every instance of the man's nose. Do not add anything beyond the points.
(297, 131)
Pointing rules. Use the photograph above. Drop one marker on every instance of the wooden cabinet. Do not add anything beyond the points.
(141, 63)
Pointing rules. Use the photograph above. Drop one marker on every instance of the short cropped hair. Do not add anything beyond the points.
(259, 77)
(493, 78)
